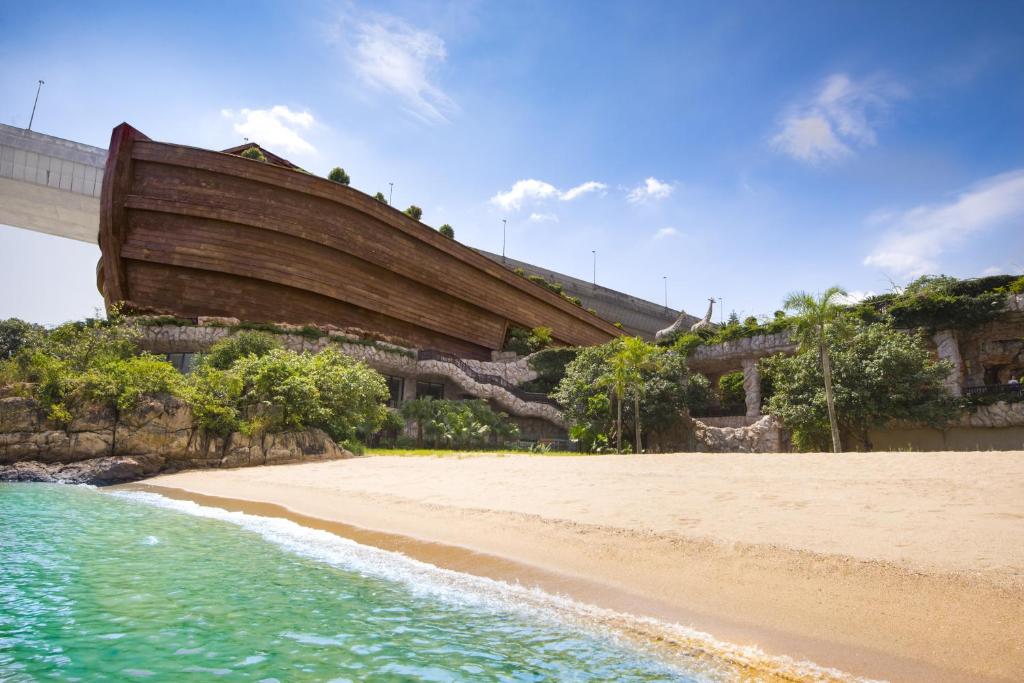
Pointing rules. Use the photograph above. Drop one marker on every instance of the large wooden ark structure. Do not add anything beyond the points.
(193, 232)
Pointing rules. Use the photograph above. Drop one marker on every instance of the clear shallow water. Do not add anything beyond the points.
(95, 586)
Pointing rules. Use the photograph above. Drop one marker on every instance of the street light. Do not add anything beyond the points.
(594, 252)
(32, 118)
(504, 224)
(391, 191)
(665, 278)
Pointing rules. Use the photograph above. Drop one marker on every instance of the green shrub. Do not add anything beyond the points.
(524, 342)
(414, 212)
(458, 424)
(730, 390)
(338, 175)
(225, 352)
(327, 390)
(879, 374)
(15, 334)
(253, 153)
(586, 396)
(550, 366)
(447, 230)
(381, 198)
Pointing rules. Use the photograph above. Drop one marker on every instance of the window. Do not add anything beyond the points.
(396, 390)
(431, 389)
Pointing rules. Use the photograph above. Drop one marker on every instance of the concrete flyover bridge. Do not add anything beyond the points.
(49, 184)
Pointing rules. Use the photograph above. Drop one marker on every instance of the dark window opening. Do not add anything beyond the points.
(432, 389)
(396, 390)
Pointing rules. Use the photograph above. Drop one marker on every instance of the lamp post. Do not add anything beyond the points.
(665, 278)
(594, 252)
(391, 191)
(32, 118)
(504, 224)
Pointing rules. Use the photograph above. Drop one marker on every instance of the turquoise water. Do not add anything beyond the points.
(99, 586)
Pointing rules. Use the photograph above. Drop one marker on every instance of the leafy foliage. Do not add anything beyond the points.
(338, 175)
(90, 362)
(940, 302)
(381, 198)
(254, 153)
(15, 334)
(246, 382)
(458, 424)
(730, 390)
(550, 365)
(879, 374)
(224, 353)
(414, 212)
(447, 230)
(586, 395)
(524, 342)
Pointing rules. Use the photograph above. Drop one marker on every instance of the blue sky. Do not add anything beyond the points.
(743, 150)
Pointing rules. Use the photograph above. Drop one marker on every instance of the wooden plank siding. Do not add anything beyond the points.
(195, 232)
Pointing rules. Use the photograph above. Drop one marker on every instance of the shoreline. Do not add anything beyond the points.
(869, 617)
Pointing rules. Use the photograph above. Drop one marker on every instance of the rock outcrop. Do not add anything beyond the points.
(101, 447)
(767, 435)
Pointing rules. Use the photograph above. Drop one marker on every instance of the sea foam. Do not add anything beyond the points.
(690, 648)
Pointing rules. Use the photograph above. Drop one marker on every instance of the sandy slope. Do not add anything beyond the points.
(891, 565)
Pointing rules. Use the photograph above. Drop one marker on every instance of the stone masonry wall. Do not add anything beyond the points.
(382, 356)
(157, 436)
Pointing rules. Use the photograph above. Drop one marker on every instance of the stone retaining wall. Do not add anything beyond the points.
(158, 436)
(382, 356)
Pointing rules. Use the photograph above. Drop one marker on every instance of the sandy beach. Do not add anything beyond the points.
(900, 566)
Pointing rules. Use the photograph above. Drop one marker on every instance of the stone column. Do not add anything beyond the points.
(948, 349)
(409, 392)
(752, 387)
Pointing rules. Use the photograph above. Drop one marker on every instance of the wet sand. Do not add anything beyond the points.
(887, 565)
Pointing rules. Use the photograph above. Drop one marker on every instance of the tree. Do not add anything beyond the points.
(15, 334)
(637, 357)
(414, 212)
(586, 395)
(814, 318)
(224, 353)
(880, 374)
(381, 198)
(338, 175)
(447, 230)
(733, 319)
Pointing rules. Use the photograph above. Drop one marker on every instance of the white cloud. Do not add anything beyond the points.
(993, 270)
(652, 188)
(391, 56)
(589, 186)
(841, 116)
(916, 238)
(543, 218)
(524, 190)
(276, 129)
(665, 232)
(532, 190)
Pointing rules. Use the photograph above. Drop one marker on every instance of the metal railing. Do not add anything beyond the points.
(992, 389)
(484, 378)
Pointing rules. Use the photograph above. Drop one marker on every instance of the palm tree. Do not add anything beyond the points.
(814, 315)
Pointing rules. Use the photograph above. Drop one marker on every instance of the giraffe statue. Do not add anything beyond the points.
(705, 322)
(680, 323)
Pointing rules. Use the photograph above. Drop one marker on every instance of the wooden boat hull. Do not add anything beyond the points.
(192, 232)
